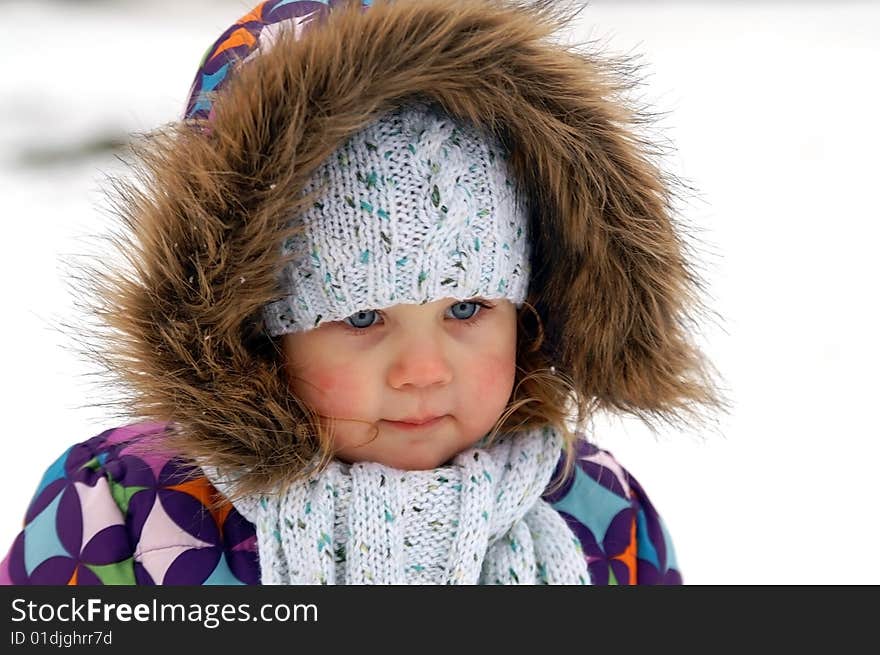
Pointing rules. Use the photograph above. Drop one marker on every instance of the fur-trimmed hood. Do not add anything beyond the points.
(206, 212)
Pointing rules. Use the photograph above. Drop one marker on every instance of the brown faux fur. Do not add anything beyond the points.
(205, 216)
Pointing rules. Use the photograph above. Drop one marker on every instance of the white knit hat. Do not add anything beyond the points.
(416, 207)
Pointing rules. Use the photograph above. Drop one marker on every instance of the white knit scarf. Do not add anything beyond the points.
(478, 520)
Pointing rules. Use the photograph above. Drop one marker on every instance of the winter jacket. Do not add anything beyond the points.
(107, 512)
(212, 199)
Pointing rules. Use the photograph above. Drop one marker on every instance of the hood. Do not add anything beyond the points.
(206, 207)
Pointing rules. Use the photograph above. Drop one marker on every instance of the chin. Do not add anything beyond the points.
(422, 456)
(415, 462)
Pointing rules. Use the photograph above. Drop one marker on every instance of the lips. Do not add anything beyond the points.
(417, 423)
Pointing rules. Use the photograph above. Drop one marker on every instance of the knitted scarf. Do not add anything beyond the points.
(478, 520)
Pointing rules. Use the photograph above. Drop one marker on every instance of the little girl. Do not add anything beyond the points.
(387, 260)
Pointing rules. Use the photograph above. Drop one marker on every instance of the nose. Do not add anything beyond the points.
(420, 361)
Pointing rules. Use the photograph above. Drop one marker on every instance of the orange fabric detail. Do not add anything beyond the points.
(202, 490)
(221, 514)
(628, 556)
(253, 16)
(239, 37)
(199, 488)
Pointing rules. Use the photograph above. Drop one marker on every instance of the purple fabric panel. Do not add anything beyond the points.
(192, 567)
(5, 578)
(654, 532)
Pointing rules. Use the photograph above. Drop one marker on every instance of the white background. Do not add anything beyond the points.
(773, 117)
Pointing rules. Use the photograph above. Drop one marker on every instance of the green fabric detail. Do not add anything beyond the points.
(122, 494)
(117, 573)
(612, 579)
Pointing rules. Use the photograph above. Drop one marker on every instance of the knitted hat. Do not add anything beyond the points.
(413, 208)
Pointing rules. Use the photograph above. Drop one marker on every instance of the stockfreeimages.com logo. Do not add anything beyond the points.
(209, 615)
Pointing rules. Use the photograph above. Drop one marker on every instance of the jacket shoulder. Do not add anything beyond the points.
(117, 509)
(623, 537)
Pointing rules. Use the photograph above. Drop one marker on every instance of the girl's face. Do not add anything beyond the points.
(452, 361)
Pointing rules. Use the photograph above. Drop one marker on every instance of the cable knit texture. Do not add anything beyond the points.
(414, 208)
(478, 520)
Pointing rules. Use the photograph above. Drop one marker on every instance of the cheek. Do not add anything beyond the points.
(330, 389)
(492, 379)
(493, 365)
(491, 370)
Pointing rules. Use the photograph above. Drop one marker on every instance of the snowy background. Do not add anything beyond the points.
(770, 109)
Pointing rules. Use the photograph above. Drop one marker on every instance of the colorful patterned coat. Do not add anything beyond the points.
(104, 515)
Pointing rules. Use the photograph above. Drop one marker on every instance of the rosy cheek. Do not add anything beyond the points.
(493, 376)
(330, 389)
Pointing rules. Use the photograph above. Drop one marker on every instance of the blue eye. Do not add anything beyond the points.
(464, 310)
(363, 319)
